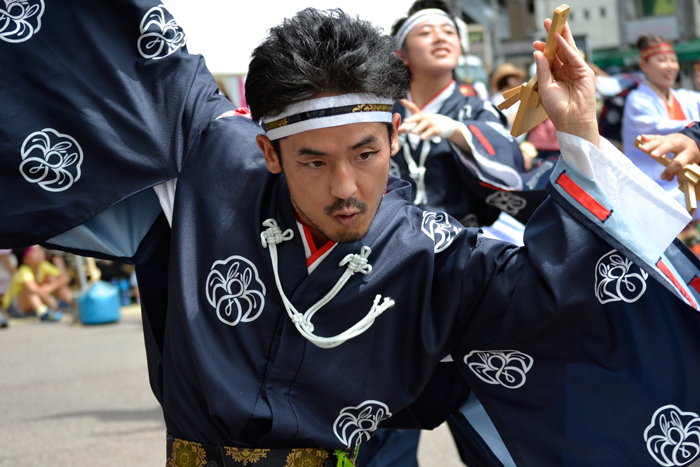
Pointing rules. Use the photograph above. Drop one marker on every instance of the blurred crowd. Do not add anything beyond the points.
(647, 100)
(46, 284)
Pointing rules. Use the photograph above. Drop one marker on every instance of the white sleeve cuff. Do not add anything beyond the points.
(660, 217)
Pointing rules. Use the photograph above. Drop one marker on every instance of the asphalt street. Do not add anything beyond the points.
(73, 395)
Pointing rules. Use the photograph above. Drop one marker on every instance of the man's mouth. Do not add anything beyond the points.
(346, 219)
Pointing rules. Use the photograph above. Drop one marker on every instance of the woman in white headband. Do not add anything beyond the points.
(456, 151)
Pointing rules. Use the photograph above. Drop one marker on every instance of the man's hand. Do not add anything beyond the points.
(685, 151)
(567, 90)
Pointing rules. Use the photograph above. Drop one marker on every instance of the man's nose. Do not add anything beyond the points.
(343, 184)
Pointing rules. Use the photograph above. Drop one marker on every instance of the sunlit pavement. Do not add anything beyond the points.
(78, 395)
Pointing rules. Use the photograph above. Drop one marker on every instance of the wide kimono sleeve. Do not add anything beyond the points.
(493, 168)
(100, 101)
(581, 348)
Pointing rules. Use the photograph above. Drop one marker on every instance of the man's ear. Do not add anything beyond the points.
(271, 157)
(395, 123)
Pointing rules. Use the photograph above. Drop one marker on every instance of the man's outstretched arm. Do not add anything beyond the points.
(100, 101)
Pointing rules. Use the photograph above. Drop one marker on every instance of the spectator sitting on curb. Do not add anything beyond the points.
(7, 268)
(34, 285)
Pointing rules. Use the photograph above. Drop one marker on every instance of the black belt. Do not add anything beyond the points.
(181, 453)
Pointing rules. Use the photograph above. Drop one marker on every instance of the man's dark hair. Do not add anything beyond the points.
(320, 53)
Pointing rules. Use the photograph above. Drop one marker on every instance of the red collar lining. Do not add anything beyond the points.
(435, 96)
(315, 253)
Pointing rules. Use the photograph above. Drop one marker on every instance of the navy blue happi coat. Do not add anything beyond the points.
(581, 347)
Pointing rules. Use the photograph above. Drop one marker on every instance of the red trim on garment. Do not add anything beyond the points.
(320, 252)
(663, 268)
(316, 253)
(467, 90)
(586, 200)
(435, 96)
(309, 239)
(690, 124)
(488, 185)
(240, 112)
(483, 140)
(695, 283)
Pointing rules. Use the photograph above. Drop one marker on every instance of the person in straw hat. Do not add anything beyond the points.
(505, 77)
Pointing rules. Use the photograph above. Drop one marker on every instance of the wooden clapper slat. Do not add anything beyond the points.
(688, 179)
(531, 113)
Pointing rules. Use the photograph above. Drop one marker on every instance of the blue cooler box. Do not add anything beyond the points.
(99, 304)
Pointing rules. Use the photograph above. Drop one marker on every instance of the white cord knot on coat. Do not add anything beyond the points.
(378, 309)
(273, 235)
(358, 263)
(298, 318)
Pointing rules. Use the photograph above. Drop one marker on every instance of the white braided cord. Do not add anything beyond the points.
(272, 236)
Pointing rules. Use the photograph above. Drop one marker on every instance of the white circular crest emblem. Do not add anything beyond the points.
(20, 19)
(235, 290)
(507, 202)
(673, 437)
(355, 425)
(507, 368)
(438, 227)
(160, 34)
(619, 279)
(51, 159)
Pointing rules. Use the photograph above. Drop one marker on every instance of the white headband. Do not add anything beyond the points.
(329, 111)
(419, 17)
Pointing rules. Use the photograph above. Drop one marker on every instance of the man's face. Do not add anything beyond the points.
(336, 176)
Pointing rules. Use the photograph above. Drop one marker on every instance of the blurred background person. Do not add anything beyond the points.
(506, 76)
(36, 286)
(656, 108)
(8, 266)
(440, 116)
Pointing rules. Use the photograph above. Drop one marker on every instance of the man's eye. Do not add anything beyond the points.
(315, 164)
(366, 155)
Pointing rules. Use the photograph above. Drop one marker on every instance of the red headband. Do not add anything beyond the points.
(655, 49)
(27, 251)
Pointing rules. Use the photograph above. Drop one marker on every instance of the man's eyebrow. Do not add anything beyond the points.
(303, 151)
(368, 140)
